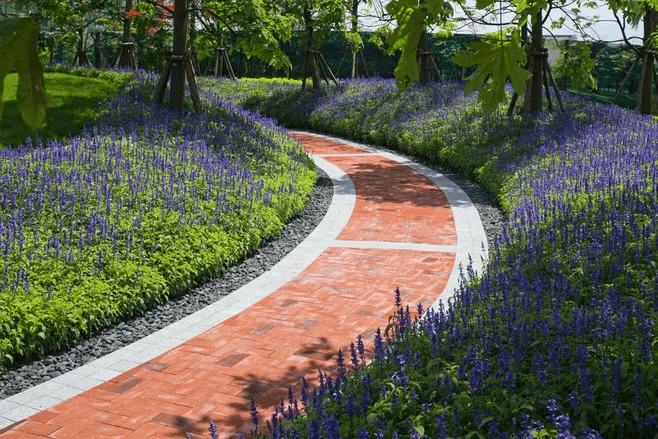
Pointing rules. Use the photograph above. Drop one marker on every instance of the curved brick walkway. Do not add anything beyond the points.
(392, 223)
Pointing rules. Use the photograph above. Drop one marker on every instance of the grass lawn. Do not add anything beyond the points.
(72, 105)
(625, 99)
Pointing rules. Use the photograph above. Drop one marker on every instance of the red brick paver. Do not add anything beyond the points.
(260, 352)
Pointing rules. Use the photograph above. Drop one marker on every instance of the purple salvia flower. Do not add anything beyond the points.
(304, 392)
(361, 349)
(213, 430)
(253, 411)
(340, 366)
(355, 358)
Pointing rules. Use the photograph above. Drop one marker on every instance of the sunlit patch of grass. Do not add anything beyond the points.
(72, 105)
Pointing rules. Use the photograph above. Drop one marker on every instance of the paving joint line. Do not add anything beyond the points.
(472, 241)
(390, 245)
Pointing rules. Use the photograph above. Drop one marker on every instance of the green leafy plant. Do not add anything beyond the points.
(18, 50)
(412, 18)
(497, 58)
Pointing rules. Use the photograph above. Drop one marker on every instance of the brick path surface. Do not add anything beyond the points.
(398, 230)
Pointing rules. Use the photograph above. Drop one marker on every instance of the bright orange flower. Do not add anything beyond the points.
(132, 13)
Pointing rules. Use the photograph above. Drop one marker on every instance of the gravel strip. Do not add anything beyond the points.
(132, 329)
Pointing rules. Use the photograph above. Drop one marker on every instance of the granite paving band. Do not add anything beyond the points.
(392, 223)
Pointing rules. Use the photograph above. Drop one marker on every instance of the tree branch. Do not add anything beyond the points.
(622, 27)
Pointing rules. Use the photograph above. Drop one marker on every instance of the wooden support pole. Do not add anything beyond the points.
(229, 66)
(340, 66)
(191, 79)
(547, 88)
(436, 69)
(512, 104)
(365, 68)
(628, 75)
(162, 83)
(331, 74)
(304, 70)
(555, 87)
(184, 63)
(322, 70)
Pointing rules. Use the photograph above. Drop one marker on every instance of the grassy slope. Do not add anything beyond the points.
(73, 101)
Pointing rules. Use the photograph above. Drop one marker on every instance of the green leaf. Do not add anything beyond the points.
(420, 429)
(411, 23)
(484, 4)
(496, 59)
(18, 49)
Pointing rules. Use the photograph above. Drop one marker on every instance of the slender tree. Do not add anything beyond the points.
(413, 18)
(254, 28)
(633, 12)
(72, 18)
(317, 18)
(179, 47)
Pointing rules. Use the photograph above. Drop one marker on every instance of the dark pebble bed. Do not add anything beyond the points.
(26, 375)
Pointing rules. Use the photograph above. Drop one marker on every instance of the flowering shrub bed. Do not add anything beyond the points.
(138, 207)
(557, 338)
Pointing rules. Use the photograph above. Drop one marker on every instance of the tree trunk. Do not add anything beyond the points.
(177, 88)
(126, 22)
(423, 60)
(645, 89)
(97, 50)
(80, 57)
(354, 12)
(125, 60)
(311, 61)
(534, 86)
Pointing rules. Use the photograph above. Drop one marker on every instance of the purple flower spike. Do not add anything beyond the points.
(340, 366)
(253, 411)
(213, 430)
(355, 358)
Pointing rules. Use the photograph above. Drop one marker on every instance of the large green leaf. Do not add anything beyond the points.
(18, 49)
(412, 17)
(497, 59)
(405, 37)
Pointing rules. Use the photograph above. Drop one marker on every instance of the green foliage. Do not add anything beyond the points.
(576, 63)
(379, 35)
(115, 78)
(255, 27)
(410, 24)
(354, 41)
(18, 50)
(413, 18)
(497, 58)
(72, 103)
